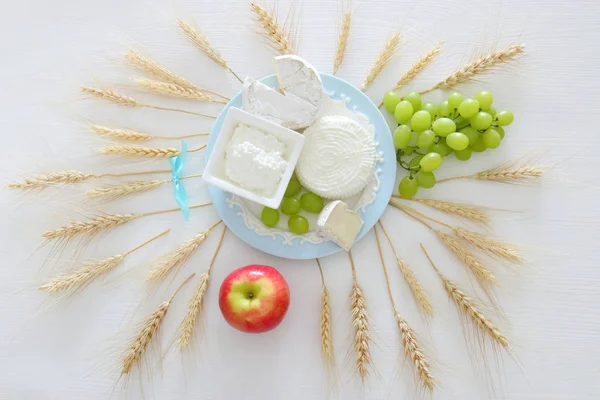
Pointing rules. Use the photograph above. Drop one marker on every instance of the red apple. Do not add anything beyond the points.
(254, 298)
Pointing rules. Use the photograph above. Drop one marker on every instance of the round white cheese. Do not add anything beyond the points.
(338, 158)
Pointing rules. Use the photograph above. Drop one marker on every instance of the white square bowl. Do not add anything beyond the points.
(214, 172)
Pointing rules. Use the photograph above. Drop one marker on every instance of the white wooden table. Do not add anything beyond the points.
(69, 350)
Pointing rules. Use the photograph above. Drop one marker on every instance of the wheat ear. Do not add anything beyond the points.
(360, 322)
(490, 245)
(417, 290)
(53, 178)
(279, 36)
(139, 151)
(419, 66)
(513, 172)
(103, 223)
(174, 90)
(326, 333)
(127, 189)
(467, 305)
(190, 321)
(384, 58)
(197, 37)
(342, 41)
(462, 210)
(483, 275)
(79, 278)
(412, 348)
(177, 257)
(136, 136)
(126, 101)
(478, 67)
(147, 331)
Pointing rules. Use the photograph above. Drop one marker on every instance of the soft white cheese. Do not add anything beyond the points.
(254, 160)
(338, 158)
(287, 110)
(339, 224)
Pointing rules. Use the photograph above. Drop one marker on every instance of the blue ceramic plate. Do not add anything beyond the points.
(298, 249)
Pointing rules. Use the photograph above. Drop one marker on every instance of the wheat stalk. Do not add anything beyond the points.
(177, 257)
(122, 100)
(342, 41)
(90, 227)
(175, 90)
(468, 306)
(136, 136)
(482, 274)
(514, 172)
(419, 66)
(412, 348)
(147, 331)
(360, 322)
(326, 332)
(461, 210)
(384, 58)
(156, 69)
(188, 325)
(103, 223)
(478, 66)
(495, 247)
(414, 352)
(139, 151)
(45, 180)
(279, 36)
(415, 286)
(127, 189)
(79, 278)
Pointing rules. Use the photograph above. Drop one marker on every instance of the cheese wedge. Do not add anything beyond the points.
(298, 77)
(287, 110)
(339, 224)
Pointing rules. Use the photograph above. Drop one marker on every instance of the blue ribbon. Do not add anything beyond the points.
(177, 166)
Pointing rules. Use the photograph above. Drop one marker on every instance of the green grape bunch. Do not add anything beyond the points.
(427, 133)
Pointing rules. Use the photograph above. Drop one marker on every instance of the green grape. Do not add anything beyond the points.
(447, 149)
(481, 121)
(471, 134)
(425, 139)
(311, 202)
(403, 112)
(463, 155)
(454, 101)
(402, 136)
(504, 117)
(413, 139)
(500, 131)
(298, 224)
(485, 100)
(440, 147)
(269, 217)
(426, 179)
(420, 121)
(457, 141)
(415, 99)
(468, 108)
(290, 206)
(293, 188)
(491, 138)
(431, 109)
(444, 109)
(391, 100)
(408, 151)
(430, 162)
(408, 187)
(491, 111)
(443, 126)
(479, 146)
(414, 162)
(461, 122)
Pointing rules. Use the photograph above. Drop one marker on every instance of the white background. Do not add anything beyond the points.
(70, 350)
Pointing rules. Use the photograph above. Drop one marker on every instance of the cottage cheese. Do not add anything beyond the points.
(254, 160)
